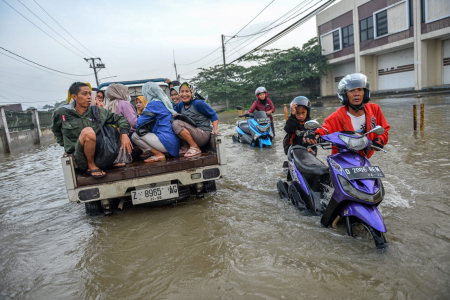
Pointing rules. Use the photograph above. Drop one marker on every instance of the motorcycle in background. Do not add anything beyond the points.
(256, 130)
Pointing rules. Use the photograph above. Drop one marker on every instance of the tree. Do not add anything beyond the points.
(277, 70)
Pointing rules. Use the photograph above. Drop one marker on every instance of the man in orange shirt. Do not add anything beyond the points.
(356, 114)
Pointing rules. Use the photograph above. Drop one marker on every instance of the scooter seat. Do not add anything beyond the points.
(307, 163)
(244, 126)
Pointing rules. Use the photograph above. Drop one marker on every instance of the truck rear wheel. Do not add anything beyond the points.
(93, 208)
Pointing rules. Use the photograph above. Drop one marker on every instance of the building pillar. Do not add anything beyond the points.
(327, 84)
(356, 37)
(37, 127)
(419, 67)
(5, 131)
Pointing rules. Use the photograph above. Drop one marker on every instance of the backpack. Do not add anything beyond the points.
(288, 141)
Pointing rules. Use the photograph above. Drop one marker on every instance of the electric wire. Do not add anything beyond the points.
(286, 15)
(37, 67)
(43, 65)
(43, 30)
(52, 28)
(22, 87)
(64, 28)
(15, 95)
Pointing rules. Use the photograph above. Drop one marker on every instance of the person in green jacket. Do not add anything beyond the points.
(76, 129)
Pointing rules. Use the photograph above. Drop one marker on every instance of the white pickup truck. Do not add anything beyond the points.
(155, 183)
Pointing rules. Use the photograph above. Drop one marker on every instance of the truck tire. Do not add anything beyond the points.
(93, 208)
(209, 186)
(184, 192)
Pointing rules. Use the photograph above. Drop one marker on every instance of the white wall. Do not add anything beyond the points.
(446, 69)
(342, 70)
(394, 60)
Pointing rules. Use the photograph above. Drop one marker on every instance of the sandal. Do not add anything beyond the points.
(146, 154)
(183, 151)
(152, 159)
(193, 152)
(89, 172)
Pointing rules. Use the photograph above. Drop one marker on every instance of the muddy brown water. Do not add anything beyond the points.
(240, 242)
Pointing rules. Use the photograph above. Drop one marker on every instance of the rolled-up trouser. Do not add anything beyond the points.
(201, 137)
(148, 142)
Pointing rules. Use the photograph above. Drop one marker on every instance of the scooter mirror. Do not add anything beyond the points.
(312, 124)
(378, 130)
(239, 107)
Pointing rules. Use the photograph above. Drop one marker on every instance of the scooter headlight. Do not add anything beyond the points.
(263, 129)
(354, 143)
(348, 187)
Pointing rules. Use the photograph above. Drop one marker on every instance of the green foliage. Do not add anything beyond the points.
(278, 70)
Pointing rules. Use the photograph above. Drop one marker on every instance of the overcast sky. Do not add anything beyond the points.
(134, 38)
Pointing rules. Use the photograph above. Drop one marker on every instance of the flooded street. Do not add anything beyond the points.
(240, 242)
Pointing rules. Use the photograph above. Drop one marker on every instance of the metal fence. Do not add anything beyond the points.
(18, 121)
(45, 118)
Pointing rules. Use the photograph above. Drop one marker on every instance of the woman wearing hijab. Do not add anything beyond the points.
(141, 103)
(175, 95)
(161, 139)
(202, 114)
(119, 103)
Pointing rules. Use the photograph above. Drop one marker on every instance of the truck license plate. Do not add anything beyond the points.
(154, 194)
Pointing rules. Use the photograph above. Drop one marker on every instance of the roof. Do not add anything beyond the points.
(132, 82)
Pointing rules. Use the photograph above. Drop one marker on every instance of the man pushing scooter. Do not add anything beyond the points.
(356, 114)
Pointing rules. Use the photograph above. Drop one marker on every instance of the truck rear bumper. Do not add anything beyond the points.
(123, 188)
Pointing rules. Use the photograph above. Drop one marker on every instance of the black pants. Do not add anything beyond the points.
(273, 128)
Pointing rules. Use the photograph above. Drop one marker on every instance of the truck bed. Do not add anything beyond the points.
(140, 169)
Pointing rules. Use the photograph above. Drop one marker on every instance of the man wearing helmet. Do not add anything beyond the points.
(356, 114)
(263, 104)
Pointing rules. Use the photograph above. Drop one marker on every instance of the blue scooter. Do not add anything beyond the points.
(256, 130)
(358, 189)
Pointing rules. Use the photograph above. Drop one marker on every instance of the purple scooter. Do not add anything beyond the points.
(358, 189)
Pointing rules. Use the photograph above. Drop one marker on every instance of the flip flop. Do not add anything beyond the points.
(193, 152)
(183, 151)
(153, 159)
(146, 154)
(89, 172)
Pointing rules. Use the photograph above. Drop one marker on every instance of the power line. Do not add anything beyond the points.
(42, 65)
(51, 28)
(22, 87)
(287, 13)
(15, 95)
(64, 29)
(227, 41)
(43, 30)
(37, 67)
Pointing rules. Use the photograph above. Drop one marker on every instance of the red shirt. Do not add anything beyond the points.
(258, 106)
(340, 121)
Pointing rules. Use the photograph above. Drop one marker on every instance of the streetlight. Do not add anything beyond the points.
(105, 78)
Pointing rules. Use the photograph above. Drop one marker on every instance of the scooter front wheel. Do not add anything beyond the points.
(364, 231)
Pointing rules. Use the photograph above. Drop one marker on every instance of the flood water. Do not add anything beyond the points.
(240, 242)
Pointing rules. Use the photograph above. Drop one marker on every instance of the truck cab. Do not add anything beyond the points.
(159, 183)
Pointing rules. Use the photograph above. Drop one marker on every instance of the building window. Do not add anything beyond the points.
(336, 42)
(381, 23)
(347, 36)
(366, 29)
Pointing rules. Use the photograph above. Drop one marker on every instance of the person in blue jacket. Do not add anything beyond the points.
(157, 117)
(201, 114)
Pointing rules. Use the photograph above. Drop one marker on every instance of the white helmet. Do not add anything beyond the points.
(260, 90)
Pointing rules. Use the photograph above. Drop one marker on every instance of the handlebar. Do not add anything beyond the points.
(378, 148)
(319, 144)
(246, 116)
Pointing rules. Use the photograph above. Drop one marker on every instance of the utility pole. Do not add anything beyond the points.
(224, 65)
(100, 65)
(174, 64)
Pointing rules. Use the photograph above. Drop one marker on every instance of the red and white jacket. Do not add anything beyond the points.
(341, 121)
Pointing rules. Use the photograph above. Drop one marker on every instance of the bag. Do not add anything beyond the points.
(146, 127)
(123, 158)
(185, 119)
(288, 141)
(107, 146)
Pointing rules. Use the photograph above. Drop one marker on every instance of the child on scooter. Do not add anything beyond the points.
(295, 129)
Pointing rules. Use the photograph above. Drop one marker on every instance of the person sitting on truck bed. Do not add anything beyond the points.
(158, 137)
(141, 103)
(119, 103)
(175, 95)
(99, 98)
(202, 114)
(76, 129)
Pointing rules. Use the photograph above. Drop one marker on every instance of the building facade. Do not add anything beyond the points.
(398, 44)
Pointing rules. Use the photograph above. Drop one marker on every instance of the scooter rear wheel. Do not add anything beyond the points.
(362, 230)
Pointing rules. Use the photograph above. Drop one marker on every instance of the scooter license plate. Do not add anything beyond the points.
(154, 194)
(366, 172)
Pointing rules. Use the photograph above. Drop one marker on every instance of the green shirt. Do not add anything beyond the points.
(68, 124)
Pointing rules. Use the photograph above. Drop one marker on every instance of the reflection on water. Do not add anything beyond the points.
(241, 241)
